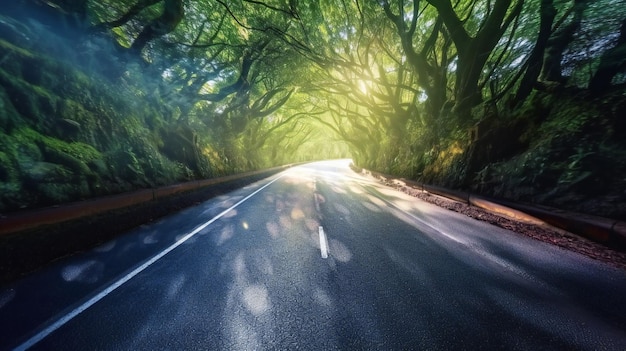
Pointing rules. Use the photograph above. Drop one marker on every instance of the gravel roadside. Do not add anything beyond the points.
(545, 233)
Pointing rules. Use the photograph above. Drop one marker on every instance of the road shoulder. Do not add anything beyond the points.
(541, 232)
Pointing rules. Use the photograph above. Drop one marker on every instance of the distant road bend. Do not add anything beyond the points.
(318, 258)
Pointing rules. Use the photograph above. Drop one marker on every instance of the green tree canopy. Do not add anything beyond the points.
(390, 78)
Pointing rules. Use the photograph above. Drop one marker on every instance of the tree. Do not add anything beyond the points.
(400, 81)
(534, 64)
(430, 69)
(612, 62)
(560, 40)
(166, 22)
(474, 46)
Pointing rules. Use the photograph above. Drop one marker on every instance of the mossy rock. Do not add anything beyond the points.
(5, 45)
(54, 193)
(78, 150)
(14, 55)
(28, 153)
(55, 155)
(33, 102)
(21, 153)
(40, 172)
(77, 122)
(75, 155)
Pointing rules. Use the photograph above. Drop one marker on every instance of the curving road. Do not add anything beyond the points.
(318, 258)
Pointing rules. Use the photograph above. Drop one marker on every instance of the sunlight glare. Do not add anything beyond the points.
(362, 86)
(256, 299)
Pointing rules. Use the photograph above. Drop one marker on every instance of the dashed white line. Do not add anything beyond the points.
(323, 243)
(317, 202)
(66, 318)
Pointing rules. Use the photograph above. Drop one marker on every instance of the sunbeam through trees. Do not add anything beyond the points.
(521, 99)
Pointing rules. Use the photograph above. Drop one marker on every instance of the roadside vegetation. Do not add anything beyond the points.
(522, 99)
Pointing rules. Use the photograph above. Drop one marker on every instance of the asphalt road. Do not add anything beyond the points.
(317, 258)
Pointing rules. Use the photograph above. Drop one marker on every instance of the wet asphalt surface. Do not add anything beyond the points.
(399, 274)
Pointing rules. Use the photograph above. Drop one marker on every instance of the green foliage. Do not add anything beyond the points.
(573, 159)
(8, 172)
(9, 118)
(413, 88)
(76, 150)
(34, 165)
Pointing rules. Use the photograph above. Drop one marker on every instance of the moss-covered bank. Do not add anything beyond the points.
(69, 132)
(565, 149)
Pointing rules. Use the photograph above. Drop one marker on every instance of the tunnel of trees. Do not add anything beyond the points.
(522, 99)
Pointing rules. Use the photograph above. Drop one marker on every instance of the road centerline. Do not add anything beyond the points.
(323, 243)
(102, 294)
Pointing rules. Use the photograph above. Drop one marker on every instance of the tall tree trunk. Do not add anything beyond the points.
(533, 68)
(130, 14)
(431, 80)
(612, 62)
(560, 40)
(173, 13)
(473, 52)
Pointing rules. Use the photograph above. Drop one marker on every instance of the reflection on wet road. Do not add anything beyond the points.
(247, 271)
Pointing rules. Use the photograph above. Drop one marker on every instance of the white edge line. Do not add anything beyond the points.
(417, 219)
(323, 243)
(66, 318)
